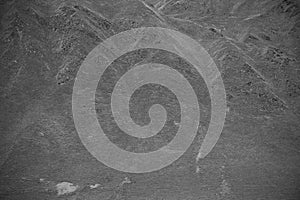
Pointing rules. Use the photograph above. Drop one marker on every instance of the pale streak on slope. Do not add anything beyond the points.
(156, 12)
(162, 4)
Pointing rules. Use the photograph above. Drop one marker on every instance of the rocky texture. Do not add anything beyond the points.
(255, 44)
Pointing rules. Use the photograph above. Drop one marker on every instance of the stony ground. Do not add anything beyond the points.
(255, 44)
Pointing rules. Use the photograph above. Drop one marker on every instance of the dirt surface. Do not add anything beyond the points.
(255, 45)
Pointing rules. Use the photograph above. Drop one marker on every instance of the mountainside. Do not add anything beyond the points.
(255, 45)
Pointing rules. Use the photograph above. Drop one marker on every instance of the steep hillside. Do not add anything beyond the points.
(255, 45)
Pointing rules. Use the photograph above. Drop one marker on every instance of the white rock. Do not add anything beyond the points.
(65, 188)
(126, 180)
(94, 186)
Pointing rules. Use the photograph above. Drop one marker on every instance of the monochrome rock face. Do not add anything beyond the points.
(255, 46)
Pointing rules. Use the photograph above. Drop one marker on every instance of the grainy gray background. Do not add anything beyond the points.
(255, 44)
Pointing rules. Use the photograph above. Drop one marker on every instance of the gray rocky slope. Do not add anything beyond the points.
(255, 44)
